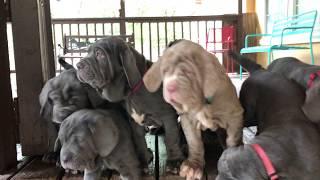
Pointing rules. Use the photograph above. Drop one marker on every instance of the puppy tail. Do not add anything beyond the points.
(64, 64)
(245, 62)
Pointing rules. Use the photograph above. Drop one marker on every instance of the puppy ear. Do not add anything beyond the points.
(312, 103)
(105, 134)
(57, 145)
(64, 64)
(46, 106)
(152, 79)
(128, 61)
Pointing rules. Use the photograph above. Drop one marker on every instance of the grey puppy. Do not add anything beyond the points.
(307, 76)
(287, 136)
(93, 140)
(65, 94)
(62, 95)
(115, 70)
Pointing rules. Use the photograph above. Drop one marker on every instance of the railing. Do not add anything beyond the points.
(151, 34)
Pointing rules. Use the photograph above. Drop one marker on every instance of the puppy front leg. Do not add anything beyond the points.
(94, 174)
(145, 155)
(234, 132)
(206, 121)
(192, 168)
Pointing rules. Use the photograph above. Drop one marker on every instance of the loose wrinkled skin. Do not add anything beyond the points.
(288, 137)
(65, 94)
(299, 72)
(190, 76)
(114, 69)
(93, 140)
(61, 96)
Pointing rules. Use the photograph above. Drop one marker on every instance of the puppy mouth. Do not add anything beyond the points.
(62, 114)
(79, 164)
(85, 76)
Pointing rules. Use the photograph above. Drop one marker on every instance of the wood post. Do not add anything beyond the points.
(29, 37)
(122, 14)
(8, 154)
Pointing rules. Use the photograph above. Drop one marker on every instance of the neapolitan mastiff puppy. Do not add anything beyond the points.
(307, 76)
(288, 137)
(197, 86)
(116, 70)
(60, 97)
(93, 140)
(65, 94)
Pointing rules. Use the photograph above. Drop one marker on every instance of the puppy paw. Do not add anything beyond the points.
(149, 156)
(72, 171)
(200, 126)
(232, 142)
(172, 167)
(205, 122)
(191, 170)
(50, 157)
(145, 171)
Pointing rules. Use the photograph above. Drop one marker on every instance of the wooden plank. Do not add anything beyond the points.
(7, 121)
(171, 177)
(117, 177)
(68, 176)
(80, 177)
(37, 169)
(25, 27)
(46, 44)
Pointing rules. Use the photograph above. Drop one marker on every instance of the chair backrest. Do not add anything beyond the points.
(80, 43)
(296, 22)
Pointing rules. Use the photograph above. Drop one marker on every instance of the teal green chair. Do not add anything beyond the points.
(300, 24)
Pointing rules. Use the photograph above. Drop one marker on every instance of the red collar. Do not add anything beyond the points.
(136, 88)
(272, 174)
(312, 77)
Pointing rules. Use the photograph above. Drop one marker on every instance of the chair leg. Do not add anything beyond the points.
(311, 53)
(227, 64)
(240, 72)
(269, 56)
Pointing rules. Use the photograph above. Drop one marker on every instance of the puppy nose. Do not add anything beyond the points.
(80, 65)
(171, 87)
(66, 158)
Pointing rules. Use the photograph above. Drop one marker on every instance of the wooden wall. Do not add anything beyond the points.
(7, 121)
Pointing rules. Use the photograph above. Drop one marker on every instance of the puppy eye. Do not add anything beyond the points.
(53, 98)
(187, 72)
(165, 70)
(50, 101)
(99, 54)
(72, 100)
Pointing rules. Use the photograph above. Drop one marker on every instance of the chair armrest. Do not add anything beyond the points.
(290, 28)
(253, 35)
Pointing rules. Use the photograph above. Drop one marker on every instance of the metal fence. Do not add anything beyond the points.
(151, 34)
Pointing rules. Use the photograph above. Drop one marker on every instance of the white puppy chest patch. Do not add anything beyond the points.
(138, 118)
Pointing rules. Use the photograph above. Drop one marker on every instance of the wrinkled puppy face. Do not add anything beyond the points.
(61, 96)
(312, 102)
(180, 74)
(78, 151)
(102, 69)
